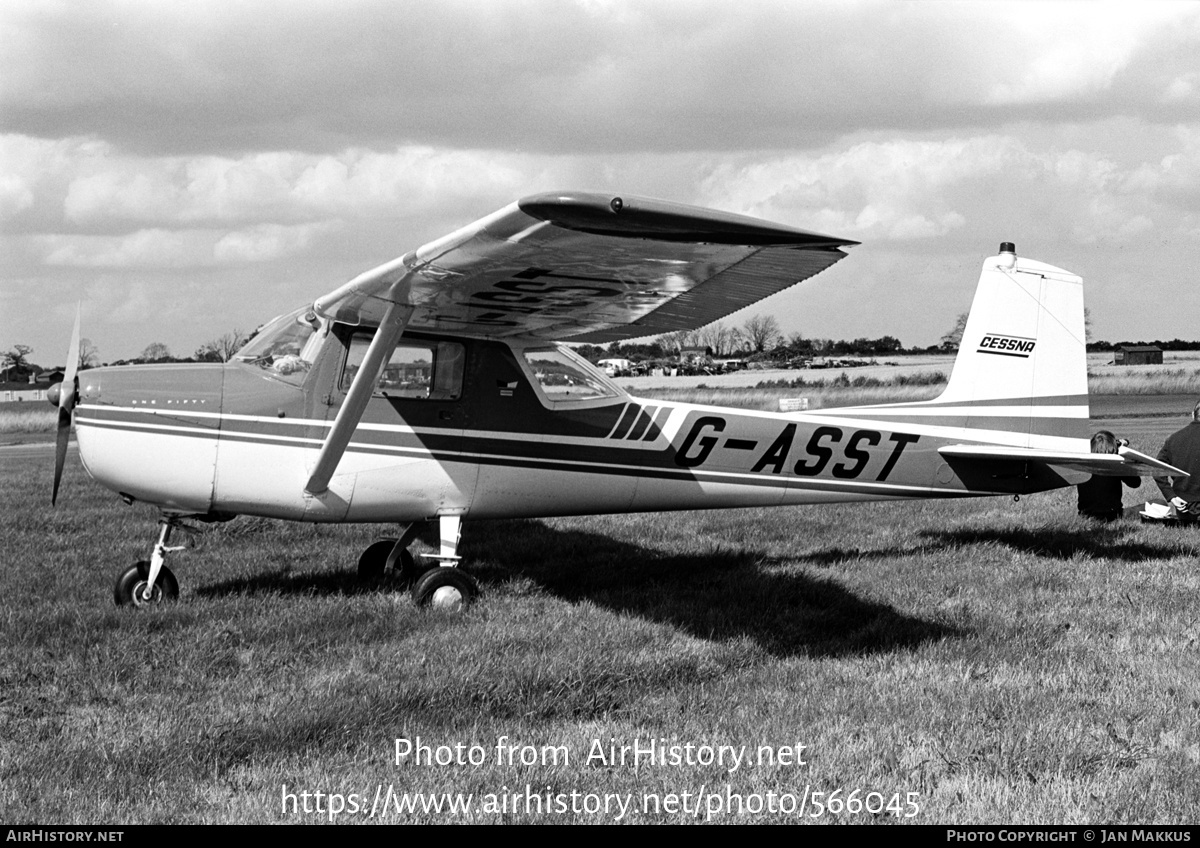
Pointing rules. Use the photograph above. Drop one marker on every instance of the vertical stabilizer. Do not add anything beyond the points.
(1023, 355)
(1020, 377)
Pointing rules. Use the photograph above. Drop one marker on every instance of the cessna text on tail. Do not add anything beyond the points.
(432, 389)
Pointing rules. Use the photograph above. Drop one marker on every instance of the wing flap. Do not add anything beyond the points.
(1127, 463)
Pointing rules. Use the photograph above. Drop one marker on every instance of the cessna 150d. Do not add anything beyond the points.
(432, 389)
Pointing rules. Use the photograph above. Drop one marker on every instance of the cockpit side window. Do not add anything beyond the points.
(416, 370)
(563, 376)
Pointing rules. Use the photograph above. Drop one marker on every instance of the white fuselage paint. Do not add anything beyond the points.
(176, 461)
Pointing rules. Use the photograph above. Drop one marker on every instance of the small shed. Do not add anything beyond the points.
(1137, 355)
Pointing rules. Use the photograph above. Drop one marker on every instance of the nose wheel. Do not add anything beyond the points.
(133, 587)
(149, 583)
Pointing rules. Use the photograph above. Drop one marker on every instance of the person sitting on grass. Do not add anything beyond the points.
(1182, 449)
(1100, 496)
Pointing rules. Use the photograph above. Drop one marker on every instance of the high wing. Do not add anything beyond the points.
(584, 267)
(587, 268)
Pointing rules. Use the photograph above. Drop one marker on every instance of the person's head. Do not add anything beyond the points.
(1104, 442)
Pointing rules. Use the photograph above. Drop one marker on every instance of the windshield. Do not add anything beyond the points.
(286, 346)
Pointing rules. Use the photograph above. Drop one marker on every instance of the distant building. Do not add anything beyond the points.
(1137, 355)
(34, 387)
(12, 392)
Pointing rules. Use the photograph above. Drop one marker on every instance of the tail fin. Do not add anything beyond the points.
(1022, 361)
(1020, 377)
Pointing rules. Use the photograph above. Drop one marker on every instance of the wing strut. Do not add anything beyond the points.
(394, 321)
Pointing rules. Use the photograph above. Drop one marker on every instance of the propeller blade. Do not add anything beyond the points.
(60, 451)
(66, 400)
(66, 403)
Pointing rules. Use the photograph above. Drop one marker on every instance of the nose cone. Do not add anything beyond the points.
(53, 393)
(150, 431)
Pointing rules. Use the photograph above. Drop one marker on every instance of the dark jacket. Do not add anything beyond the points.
(1100, 497)
(1182, 449)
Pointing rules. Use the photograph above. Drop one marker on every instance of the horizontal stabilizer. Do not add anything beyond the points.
(1127, 463)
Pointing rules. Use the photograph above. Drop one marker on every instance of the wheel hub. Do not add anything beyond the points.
(448, 598)
(142, 597)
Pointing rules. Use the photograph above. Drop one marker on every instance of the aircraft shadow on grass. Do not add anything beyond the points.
(1101, 542)
(720, 595)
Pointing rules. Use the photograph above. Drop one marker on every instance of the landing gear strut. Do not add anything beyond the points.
(149, 583)
(445, 586)
(435, 578)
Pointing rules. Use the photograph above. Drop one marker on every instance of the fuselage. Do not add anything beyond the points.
(488, 429)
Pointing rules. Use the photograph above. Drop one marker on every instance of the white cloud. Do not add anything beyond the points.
(110, 299)
(1181, 88)
(210, 140)
(1174, 180)
(266, 242)
(281, 185)
(16, 194)
(965, 188)
(153, 248)
(182, 249)
(553, 76)
(32, 171)
(897, 190)
(1047, 64)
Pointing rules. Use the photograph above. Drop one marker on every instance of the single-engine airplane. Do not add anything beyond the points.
(434, 389)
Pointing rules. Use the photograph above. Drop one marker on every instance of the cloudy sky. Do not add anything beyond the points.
(185, 169)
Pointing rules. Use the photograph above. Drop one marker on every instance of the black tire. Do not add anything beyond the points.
(372, 565)
(373, 561)
(445, 588)
(410, 569)
(131, 584)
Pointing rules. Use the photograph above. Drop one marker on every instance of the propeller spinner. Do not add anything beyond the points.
(64, 399)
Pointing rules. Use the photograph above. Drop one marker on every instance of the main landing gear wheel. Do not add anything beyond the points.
(372, 564)
(130, 589)
(445, 588)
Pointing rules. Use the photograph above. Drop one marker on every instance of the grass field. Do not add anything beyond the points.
(1004, 662)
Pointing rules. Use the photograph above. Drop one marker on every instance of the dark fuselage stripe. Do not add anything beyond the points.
(627, 418)
(642, 423)
(504, 458)
(655, 428)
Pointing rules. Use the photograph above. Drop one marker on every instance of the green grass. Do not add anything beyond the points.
(820, 396)
(1144, 380)
(828, 390)
(1005, 661)
(27, 418)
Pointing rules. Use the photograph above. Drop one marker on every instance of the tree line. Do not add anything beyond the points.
(758, 338)
(17, 366)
